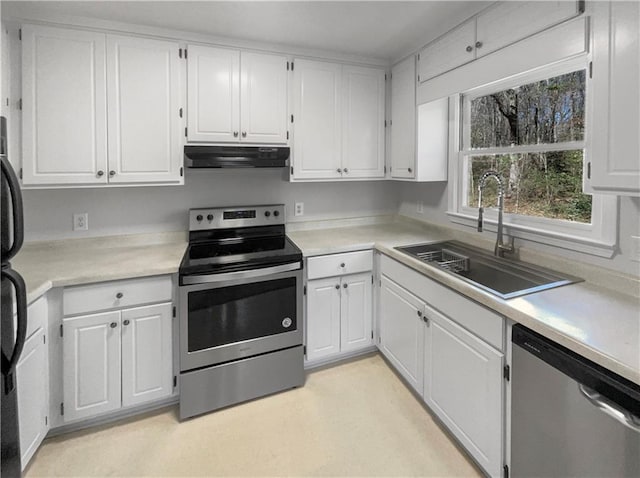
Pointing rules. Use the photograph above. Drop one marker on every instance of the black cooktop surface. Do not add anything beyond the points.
(241, 250)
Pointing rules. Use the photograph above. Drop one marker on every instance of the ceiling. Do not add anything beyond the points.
(385, 30)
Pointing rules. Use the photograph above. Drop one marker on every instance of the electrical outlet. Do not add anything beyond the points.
(420, 207)
(635, 248)
(299, 209)
(81, 222)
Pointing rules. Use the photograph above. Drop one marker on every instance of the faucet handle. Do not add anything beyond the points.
(480, 211)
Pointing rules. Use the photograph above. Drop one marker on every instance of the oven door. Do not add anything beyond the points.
(230, 316)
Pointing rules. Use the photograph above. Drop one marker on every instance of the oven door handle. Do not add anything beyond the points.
(226, 276)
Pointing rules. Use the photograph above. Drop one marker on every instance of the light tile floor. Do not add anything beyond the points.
(354, 419)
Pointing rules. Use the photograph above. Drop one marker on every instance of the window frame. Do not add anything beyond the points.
(597, 238)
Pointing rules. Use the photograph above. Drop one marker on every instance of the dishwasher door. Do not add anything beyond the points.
(569, 416)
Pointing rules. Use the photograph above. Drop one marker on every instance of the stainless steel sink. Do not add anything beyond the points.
(502, 277)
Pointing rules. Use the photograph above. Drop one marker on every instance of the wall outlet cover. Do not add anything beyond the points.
(635, 252)
(298, 209)
(81, 221)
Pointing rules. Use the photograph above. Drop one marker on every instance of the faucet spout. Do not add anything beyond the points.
(500, 247)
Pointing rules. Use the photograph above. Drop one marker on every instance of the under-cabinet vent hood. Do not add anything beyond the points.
(236, 156)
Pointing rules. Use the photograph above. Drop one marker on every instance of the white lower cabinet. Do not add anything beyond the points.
(339, 318)
(463, 387)
(401, 337)
(454, 361)
(116, 359)
(32, 377)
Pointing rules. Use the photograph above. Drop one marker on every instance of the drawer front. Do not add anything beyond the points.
(474, 317)
(333, 265)
(116, 294)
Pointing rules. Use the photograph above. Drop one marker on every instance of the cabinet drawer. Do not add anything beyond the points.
(116, 294)
(339, 264)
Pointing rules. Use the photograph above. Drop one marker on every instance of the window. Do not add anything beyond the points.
(532, 129)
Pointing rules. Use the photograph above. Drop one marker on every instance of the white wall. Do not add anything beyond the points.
(434, 198)
(48, 213)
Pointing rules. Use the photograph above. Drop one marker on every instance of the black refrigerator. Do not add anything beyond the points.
(13, 323)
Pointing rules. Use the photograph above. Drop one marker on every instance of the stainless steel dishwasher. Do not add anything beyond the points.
(569, 416)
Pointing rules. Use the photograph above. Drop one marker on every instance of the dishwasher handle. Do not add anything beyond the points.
(611, 408)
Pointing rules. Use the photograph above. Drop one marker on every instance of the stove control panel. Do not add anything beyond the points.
(244, 216)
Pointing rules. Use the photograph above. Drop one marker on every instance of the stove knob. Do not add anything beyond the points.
(199, 217)
(210, 217)
(267, 213)
(276, 213)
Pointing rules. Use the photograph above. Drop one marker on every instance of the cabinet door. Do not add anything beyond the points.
(463, 385)
(323, 318)
(613, 162)
(213, 94)
(143, 86)
(147, 372)
(32, 376)
(263, 92)
(509, 22)
(356, 319)
(91, 364)
(403, 119)
(433, 140)
(401, 335)
(317, 107)
(363, 122)
(448, 52)
(64, 117)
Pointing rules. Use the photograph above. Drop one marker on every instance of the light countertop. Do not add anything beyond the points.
(45, 265)
(597, 323)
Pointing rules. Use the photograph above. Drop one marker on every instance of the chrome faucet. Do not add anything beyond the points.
(500, 247)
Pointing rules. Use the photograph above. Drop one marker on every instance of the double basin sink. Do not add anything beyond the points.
(504, 278)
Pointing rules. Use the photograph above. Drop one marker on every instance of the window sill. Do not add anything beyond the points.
(552, 238)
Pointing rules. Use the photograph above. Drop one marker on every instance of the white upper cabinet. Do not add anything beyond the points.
(236, 96)
(338, 121)
(363, 122)
(263, 98)
(64, 119)
(317, 110)
(213, 94)
(143, 103)
(498, 26)
(433, 140)
(448, 52)
(613, 166)
(99, 109)
(403, 119)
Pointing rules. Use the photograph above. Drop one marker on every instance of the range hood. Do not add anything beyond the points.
(236, 157)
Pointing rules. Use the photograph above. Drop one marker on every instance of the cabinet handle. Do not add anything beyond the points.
(119, 295)
(344, 285)
(419, 313)
(469, 48)
(113, 325)
(478, 44)
(126, 322)
(346, 170)
(410, 170)
(342, 265)
(337, 286)
(235, 134)
(100, 173)
(244, 134)
(112, 173)
(339, 170)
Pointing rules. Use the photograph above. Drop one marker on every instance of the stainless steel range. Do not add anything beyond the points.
(240, 308)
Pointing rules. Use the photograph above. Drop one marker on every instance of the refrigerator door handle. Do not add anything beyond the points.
(18, 215)
(9, 364)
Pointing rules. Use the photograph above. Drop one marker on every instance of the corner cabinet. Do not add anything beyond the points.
(99, 109)
(117, 358)
(338, 120)
(614, 165)
(236, 97)
(339, 319)
(450, 350)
